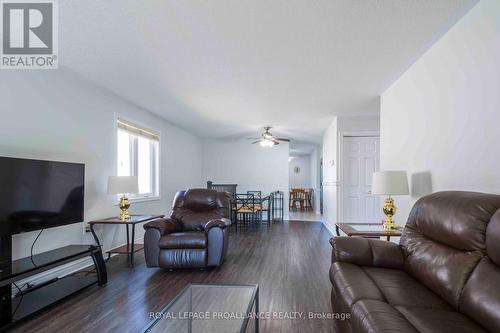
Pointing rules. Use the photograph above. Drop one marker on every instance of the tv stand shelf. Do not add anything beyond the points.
(56, 291)
(39, 297)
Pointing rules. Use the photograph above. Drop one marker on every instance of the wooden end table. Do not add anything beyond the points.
(368, 230)
(130, 248)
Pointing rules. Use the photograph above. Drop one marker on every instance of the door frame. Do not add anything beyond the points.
(320, 185)
(340, 159)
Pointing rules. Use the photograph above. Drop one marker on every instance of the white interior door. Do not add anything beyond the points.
(360, 160)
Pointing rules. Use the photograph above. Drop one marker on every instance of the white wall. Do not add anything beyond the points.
(440, 120)
(252, 167)
(303, 178)
(315, 174)
(359, 124)
(330, 183)
(55, 115)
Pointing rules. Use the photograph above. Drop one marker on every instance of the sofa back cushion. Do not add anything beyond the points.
(445, 239)
(481, 296)
(493, 239)
(195, 207)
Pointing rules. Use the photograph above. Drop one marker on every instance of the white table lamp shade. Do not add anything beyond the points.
(390, 183)
(123, 184)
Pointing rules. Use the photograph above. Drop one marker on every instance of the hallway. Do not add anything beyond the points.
(305, 216)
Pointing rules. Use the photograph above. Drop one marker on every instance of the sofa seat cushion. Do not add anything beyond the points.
(390, 300)
(351, 284)
(184, 240)
(395, 287)
(428, 320)
(378, 317)
(400, 289)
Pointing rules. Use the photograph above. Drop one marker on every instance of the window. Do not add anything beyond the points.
(138, 155)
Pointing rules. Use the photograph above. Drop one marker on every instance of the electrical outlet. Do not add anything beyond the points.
(87, 227)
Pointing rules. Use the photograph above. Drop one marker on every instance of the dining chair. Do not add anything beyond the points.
(247, 209)
(297, 195)
(308, 200)
(261, 204)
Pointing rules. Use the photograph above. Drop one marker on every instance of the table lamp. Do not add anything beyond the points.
(390, 183)
(123, 185)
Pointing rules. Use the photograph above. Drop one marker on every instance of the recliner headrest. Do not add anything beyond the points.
(201, 200)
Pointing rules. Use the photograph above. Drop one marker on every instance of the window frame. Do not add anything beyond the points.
(133, 150)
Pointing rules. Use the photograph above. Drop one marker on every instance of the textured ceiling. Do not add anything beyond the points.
(224, 68)
(298, 148)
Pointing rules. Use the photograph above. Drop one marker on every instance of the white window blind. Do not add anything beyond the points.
(137, 130)
(138, 155)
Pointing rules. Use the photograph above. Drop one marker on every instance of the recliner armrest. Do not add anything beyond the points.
(367, 252)
(219, 223)
(164, 226)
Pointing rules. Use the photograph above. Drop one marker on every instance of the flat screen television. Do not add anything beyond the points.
(38, 194)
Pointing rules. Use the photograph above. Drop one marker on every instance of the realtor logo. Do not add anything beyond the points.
(29, 34)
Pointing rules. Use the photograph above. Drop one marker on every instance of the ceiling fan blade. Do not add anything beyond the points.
(255, 142)
(252, 138)
(276, 142)
(283, 139)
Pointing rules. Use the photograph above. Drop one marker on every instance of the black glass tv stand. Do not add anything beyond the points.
(41, 296)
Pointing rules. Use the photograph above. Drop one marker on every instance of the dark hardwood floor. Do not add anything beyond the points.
(290, 262)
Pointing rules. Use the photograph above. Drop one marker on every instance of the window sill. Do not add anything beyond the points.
(143, 199)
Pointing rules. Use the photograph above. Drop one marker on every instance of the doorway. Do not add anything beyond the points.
(360, 157)
(304, 183)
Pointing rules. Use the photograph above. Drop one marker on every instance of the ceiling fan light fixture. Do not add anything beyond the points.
(267, 139)
(266, 143)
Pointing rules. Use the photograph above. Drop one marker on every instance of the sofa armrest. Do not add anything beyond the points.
(220, 223)
(164, 226)
(367, 252)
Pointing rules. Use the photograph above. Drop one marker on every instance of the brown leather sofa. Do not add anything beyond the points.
(195, 235)
(444, 276)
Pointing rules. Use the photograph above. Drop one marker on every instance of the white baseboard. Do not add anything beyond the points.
(330, 229)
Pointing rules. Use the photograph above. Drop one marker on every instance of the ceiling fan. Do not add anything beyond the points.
(267, 139)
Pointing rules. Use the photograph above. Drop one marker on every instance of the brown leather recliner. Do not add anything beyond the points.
(444, 276)
(195, 235)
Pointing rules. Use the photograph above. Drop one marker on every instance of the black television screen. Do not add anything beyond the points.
(39, 194)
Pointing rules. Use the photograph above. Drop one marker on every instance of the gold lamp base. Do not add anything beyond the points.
(124, 205)
(389, 211)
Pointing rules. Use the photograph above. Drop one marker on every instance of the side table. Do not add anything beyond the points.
(130, 248)
(366, 230)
